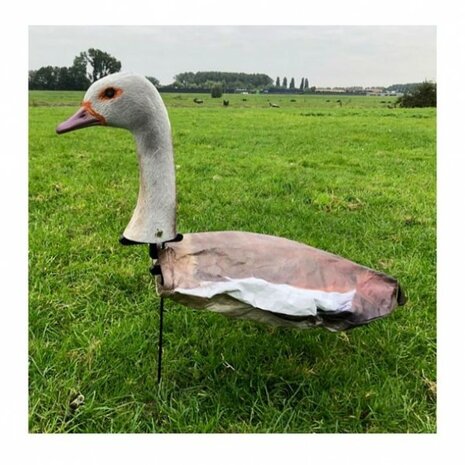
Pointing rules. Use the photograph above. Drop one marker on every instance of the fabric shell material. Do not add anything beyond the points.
(273, 280)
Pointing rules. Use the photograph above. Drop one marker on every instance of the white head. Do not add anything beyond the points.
(131, 102)
(122, 100)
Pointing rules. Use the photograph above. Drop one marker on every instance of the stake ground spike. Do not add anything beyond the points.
(160, 340)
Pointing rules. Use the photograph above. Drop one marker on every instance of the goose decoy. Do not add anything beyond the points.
(238, 274)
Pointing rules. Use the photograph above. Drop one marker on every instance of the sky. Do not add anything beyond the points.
(326, 55)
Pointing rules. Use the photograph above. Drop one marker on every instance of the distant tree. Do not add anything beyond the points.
(216, 91)
(423, 95)
(285, 82)
(79, 72)
(185, 79)
(278, 82)
(32, 77)
(64, 79)
(153, 80)
(44, 78)
(302, 83)
(292, 84)
(313, 89)
(102, 64)
(306, 84)
(80, 63)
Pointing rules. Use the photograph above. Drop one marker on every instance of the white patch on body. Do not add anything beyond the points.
(278, 298)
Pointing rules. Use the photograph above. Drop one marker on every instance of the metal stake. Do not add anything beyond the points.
(160, 339)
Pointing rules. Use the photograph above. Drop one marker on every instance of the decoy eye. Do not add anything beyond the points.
(110, 92)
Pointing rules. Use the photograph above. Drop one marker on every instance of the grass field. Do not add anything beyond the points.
(358, 180)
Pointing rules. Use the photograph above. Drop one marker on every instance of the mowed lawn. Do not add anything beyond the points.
(355, 178)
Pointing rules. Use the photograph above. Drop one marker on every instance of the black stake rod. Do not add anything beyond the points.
(155, 270)
(160, 340)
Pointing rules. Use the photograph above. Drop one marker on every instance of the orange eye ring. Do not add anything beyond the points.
(110, 93)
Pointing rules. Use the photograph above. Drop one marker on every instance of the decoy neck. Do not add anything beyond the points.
(131, 102)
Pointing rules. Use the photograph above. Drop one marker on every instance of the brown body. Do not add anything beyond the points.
(235, 257)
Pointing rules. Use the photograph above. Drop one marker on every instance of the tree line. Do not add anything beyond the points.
(93, 64)
(228, 81)
(88, 67)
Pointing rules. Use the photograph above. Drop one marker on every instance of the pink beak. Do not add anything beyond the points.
(81, 119)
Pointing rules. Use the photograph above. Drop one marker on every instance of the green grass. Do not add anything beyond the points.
(357, 180)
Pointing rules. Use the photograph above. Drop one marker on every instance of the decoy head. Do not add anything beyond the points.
(122, 100)
(132, 102)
